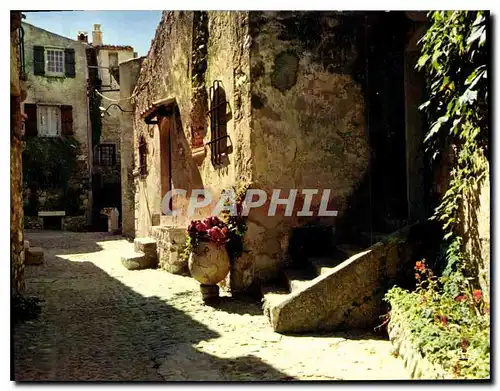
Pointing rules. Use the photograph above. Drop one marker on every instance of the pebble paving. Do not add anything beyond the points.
(102, 322)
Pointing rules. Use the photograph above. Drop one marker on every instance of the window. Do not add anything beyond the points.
(218, 123)
(55, 61)
(113, 59)
(105, 155)
(49, 121)
(50, 61)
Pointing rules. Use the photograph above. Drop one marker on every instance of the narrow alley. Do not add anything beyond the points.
(100, 321)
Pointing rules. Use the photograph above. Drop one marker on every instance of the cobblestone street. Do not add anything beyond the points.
(100, 321)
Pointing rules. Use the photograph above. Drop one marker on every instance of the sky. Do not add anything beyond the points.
(134, 28)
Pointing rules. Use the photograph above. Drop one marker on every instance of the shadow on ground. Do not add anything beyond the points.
(93, 327)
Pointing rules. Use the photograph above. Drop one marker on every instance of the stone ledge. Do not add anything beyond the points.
(418, 366)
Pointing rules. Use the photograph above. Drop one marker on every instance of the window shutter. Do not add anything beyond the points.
(30, 125)
(66, 120)
(69, 62)
(39, 60)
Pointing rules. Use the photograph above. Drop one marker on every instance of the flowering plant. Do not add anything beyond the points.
(211, 229)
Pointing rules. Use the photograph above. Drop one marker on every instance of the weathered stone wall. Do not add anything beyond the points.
(63, 91)
(308, 127)
(33, 222)
(476, 228)
(17, 94)
(129, 72)
(164, 72)
(169, 63)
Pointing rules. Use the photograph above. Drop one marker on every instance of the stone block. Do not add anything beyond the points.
(34, 256)
(146, 245)
(170, 242)
(135, 261)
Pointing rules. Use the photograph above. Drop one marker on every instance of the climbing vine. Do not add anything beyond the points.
(448, 318)
(49, 160)
(454, 58)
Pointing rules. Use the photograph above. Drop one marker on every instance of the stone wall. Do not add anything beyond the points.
(308, 128)
(295, 116)
(129, 72)
(33, 222)
(63, 91)
(164, 73)
(17, 94)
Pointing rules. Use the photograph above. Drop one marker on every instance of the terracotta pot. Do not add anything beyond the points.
(209, 263)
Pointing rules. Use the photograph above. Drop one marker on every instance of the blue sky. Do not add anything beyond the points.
(134, 28)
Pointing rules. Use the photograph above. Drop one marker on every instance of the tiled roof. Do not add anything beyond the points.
(115, 47)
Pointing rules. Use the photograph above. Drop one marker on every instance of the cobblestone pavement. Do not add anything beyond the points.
(100, 321)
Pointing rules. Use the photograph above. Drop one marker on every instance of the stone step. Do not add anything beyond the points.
(136, 261)
(272, 294)
(34, 256)
(322, 265)
(145, 245)
(349, 295)
(298, 278)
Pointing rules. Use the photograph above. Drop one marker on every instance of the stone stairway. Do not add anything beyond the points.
(144, 255)
(343, 290)
(163, 248)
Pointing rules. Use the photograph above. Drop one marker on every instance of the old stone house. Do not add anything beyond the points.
(58, 121)
(289, 100)
(106, 175)
(68, 185)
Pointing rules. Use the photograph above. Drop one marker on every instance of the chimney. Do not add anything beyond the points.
(97, 35)
(82, 36)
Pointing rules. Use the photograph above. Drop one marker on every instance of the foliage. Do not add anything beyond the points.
(447, 316)
(49, 160)
(228, 230)
(452, 331)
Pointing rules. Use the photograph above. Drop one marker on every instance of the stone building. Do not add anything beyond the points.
(283, 100)
(72, 86)
(17, 96)
(57, 168)
(106, 182)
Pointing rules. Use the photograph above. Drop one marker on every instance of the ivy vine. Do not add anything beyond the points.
(454, 58)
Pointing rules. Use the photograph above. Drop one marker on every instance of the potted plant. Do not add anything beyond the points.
(208, 259)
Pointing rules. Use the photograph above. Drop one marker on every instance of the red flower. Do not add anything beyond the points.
(444, 320)
(420, 266)
(460, 298)
(201, 227)
(477, 295)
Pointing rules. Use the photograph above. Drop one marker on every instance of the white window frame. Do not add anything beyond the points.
(50, 125)
(52, 72)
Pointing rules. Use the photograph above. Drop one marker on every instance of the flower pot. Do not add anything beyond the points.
(209, 263)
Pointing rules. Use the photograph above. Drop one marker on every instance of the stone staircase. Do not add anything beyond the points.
(144, 255)
(344, 289)
(162, 248)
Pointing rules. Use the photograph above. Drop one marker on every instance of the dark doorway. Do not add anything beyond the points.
(385, 94)
(105, 195)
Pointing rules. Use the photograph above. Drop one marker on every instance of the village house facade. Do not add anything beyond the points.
(65, 79)
(282, 100)
(57, 110)
(106, 173)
